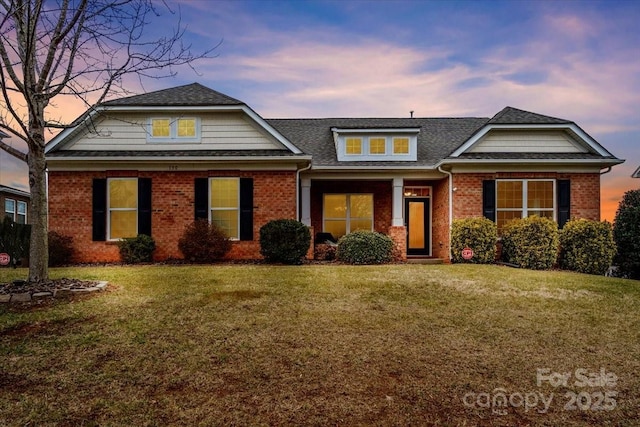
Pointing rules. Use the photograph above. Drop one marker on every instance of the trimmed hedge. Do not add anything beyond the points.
(626, 233)
(587, 246)
(531, 242)
(60, 249)
(284, 240)
(365, 247)
(478, 234)
(203, 242)
(134, 250)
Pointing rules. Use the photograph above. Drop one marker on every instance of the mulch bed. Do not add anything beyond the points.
(22, 286)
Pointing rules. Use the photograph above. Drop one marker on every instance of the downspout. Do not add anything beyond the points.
(298, 189)
(450, 203)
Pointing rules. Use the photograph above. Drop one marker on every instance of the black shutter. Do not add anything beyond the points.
(246, 208)
(144, 206)
(201, 198)
(564, 201)
(489, 199)
(99, 206)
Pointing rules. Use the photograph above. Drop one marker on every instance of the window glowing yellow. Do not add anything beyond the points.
(400, 145)
(161, 128)
(225, 203)
(344, 213)
(353, 145)
(186, 128)
(377, 145)
(123, 208)
(123, 193)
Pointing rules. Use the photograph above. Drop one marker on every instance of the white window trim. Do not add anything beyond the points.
(237, 209)
(109, 208)
(388, 155)
(18, 203)
(12, 213)
(386, 146)
(525, 188)
(173, 130)
(348, 213)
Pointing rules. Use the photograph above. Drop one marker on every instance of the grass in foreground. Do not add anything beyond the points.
(323, 345)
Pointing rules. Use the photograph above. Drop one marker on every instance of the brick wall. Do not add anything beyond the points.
(440, 223)
(70, 208)
(585, 192)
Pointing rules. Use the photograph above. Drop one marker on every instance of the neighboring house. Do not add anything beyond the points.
(636, 174)
(15, 203)
(152, 163)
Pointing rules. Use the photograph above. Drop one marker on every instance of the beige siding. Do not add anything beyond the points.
(527, 142)
(219, 131)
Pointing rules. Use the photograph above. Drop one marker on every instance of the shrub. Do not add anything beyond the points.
(14, 239)
(626, 233)
(531, 242)
(586, 246)
(284, 240)
(324, 252)
(203, 242)
(137, 249)
(60, 249)
(478, 234)
(365, 247)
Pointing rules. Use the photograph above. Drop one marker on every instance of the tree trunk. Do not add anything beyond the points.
(38, 214)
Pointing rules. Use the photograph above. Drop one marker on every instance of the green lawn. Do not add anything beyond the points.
(324, 345)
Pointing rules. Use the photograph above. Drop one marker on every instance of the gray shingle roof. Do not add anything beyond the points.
(193, 94)
(213, 154)
(3, 135)
(514, 116)
(534, 156)
(437, 138)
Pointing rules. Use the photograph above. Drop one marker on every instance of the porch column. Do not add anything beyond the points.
(397, 219)
(305, 199)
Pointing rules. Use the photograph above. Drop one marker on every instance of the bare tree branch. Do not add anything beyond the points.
(14, 152)
(51, 49)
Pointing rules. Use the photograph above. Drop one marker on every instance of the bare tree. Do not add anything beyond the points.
(52, 49)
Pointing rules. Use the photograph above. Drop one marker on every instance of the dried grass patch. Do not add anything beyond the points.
(316, 345)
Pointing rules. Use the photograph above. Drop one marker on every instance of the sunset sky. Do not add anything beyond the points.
(577, 60)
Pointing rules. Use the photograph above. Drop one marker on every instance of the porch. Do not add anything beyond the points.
(414, 212)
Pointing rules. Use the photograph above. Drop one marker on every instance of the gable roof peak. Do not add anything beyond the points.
(193, 94)
(516, 116)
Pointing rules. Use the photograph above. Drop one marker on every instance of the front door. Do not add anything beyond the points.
(417, 221)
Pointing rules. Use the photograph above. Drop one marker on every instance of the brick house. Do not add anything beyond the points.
(15, 203)
(152, 163)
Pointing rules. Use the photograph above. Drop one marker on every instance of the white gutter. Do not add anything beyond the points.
(450, 203)
(607, 171)
(298, 189)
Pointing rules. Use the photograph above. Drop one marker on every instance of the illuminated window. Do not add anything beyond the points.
(353, 146)
(225, 205)
(377, 145)
(400, 145)
(161, 128)
(344, 213)
(123, 208)
(523, 198)
(186, 128)
(167, 129)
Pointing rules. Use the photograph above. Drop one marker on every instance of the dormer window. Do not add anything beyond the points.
(174, 129)
(401, 145)
(353, 146)
(377, 145)
(362, 145)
